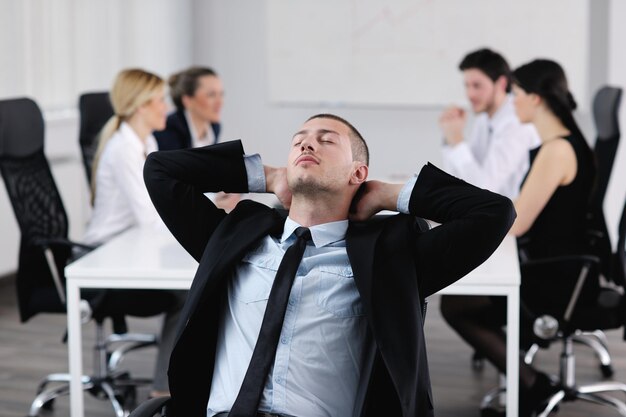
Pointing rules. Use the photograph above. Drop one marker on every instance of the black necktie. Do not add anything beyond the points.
(247, 402)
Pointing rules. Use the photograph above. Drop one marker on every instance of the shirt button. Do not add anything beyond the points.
(284, 340)
(279, 380)
(291, 301)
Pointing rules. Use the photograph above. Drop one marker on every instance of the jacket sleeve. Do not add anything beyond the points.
(473, 222)
(177, 181)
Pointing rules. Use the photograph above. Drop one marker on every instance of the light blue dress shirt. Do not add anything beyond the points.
(325, 351)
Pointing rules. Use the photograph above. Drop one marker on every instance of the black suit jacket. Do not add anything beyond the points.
(395, 266)
(176, 134)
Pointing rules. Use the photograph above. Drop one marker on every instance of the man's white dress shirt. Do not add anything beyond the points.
(495, 155)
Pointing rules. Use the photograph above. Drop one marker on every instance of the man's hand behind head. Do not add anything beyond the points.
(373, 197)
(276, 183)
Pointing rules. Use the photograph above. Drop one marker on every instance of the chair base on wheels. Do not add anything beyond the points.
(119, 390)
(596, 340)
(590, 392)
(152, 407)
(109, 382)
(567, 389)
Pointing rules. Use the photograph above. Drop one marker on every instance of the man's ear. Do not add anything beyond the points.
(359, 175)
(502, 82)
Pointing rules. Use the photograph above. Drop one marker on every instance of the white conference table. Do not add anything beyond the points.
(145, 258)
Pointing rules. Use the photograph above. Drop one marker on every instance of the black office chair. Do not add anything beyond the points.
(159, 406)
(95, 110)
(591, 306)
(605, 111)
(44, 252)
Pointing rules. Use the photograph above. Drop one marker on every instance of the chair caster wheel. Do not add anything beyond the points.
(48, 405)
(478, 362)
(607, 370)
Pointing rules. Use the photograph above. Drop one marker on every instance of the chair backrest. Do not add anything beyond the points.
(619, 265)
(605, 114)
(36, 203)
(95, 110)
(605, 111)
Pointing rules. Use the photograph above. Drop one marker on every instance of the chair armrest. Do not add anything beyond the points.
(150, 407)
(48, 242)
(46, 245)
(595, 233)
(570, 269)
(556, 260)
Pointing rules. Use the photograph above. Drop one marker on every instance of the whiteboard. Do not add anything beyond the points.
(407, 52)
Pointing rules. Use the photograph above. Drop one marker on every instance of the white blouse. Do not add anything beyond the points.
(122, 200)
(197, 141)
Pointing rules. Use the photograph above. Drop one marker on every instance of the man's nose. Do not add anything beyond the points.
(307, 145)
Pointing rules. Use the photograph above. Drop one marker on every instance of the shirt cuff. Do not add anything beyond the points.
(256, 173)
(459, 154)
(405, 195)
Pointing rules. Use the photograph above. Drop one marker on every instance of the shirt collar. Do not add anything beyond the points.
(503, 115)
(135, 141)
(206, 139)
(322, 234)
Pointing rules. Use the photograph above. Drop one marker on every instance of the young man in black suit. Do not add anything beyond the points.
(352, 342)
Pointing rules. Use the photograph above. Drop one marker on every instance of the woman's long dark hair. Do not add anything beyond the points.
(547, 79)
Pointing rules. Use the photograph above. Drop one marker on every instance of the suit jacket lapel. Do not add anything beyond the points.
(361, 242)
(235, 235)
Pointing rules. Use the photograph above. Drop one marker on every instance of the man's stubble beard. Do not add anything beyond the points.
(490, 105)
(309, 187)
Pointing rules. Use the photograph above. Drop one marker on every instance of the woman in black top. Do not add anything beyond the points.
(198, 95)
(551, 217)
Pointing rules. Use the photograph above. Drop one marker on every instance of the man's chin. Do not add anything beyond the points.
(479, 109)
(307, 186)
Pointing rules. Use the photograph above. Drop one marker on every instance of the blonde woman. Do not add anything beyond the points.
(120, 199)
(118, 194)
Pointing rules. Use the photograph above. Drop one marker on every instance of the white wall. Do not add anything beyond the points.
(616, 192)
(54, 51)
(230, 35)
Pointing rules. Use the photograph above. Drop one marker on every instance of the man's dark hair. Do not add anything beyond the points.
(360, 151)
(489, 62)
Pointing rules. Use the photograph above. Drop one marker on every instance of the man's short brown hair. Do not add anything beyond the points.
(360, 151)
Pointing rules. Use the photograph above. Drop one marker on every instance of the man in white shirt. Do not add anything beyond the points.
(495, 154)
